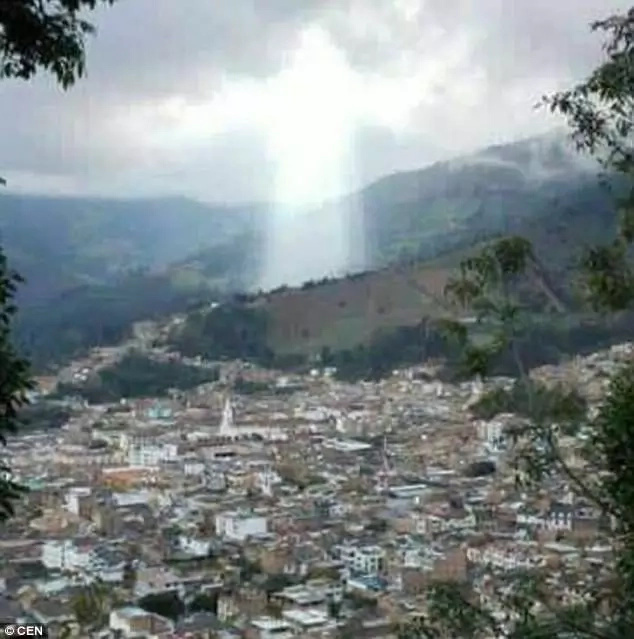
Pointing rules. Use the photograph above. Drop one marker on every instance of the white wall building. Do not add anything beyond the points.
(269, 628)
(237, 526)
(491, 432)
(215, 481)
(193, 546)
(150, 455)
(69, 556)
(503, 559)
(156, 579)
(129, 620)
(306, 620)
(65, 555)
(194, 468)
(75, 497)
(365, 560)
(132, 498)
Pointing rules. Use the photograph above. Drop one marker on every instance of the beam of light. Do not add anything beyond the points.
(310, 126)
(311, 122)
(309, 114)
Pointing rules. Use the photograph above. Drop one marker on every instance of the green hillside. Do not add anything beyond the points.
(559, 205)
(61, 243)
(449, 205)
(95, 266)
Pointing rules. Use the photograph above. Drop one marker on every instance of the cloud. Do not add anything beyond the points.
(181, 100)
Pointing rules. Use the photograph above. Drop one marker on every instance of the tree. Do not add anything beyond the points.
(166, 604)
(600, 114)
(490, 284)
(90, 607)
(35, 35)
(46, 35)
(15, 383)
(204, 602)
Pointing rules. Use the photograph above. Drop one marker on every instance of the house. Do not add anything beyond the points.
(247, 601)
(149, 455)
(195, 546)
(238, 526)
(502, 558)
(50, 611)
(71, 555)
(200, 625)
(107, 564)
(269, 628)
(85, 557)
(136, 622)
(156, 579)
(306, 620)
(79, 502)
(364, 560)
(560, 516)
(313, 592)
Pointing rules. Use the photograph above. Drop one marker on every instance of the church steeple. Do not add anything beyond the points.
(227, 423)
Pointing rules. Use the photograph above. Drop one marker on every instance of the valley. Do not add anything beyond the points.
(119, 262)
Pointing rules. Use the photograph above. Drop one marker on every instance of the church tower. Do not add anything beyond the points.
(227, 425)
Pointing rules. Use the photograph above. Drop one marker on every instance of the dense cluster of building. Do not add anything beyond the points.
(313, 509)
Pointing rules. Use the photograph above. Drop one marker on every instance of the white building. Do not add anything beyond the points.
(237, 526)
(194, 546)
(155, 579)
(132, 498)
(54, 554)
(306, 620)
(346, 445)
(69, 556)
(195, 468)
(312, 593)
(491, 432)
(65, 555)
(229, 430)
(151, 455)
(269, 628)
(503, 559)
(75, 497)
(215, 481)
(129, 621)
(365, 560)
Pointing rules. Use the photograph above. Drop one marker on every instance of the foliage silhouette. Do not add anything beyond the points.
(523, 604)
(35, 35)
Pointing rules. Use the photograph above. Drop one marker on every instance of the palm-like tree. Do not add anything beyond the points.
(91, 606)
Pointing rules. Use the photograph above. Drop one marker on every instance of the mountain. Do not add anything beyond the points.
(417, 226)
(58, 244)
(94, 266)
(410, 229)
(419, 214)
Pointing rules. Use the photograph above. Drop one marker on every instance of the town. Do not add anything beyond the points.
(308, 507)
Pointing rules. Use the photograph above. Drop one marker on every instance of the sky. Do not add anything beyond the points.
(290, 101)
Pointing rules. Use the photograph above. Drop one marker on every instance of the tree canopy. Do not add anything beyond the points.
(523, 603)
(35, 35)
(45, 35)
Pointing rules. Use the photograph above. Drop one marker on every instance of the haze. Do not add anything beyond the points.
(291, 102)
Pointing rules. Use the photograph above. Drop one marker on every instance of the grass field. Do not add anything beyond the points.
(346, 312)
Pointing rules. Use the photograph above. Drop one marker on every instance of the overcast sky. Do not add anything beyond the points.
(290, 99)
